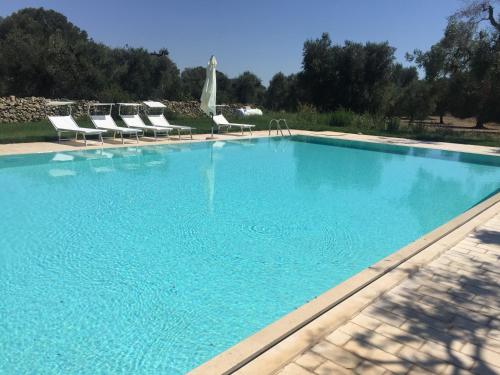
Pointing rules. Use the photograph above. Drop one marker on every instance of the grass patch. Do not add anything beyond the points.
(313, 121)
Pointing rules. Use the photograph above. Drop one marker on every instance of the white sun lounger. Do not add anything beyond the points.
(160, 120)
(105, 122)
(222, 123)
(134, 121)
(66, 124)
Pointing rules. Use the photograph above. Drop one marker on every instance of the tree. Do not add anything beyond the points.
(192, 82)
(248, 88)
(45, 55)
(278, 92)
(433, 63)
(464, 68)
(354, 76)
(477, 11)
(416, 101)
(224, 89)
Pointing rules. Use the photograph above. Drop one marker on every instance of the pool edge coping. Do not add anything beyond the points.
(261, 352)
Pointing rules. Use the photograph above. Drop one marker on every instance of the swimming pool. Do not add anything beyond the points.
(153, 259)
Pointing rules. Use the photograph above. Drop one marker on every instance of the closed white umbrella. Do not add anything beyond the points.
(208, 95)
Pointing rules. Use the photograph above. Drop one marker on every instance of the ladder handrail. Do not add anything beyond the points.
(286, 125)
(278, 126)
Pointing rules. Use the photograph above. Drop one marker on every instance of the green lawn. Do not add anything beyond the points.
(43, 131)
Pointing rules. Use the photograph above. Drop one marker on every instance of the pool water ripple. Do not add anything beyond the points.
(152, 260)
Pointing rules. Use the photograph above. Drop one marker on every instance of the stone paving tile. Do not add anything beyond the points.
(423, 360)
(338, 337)
(385, 316)
(401, 336)
(415, 370)
(481, 368)
(331, 368)
(366, 321)
(367, 367)
(378, 356)
(445, 353)
(453, 370)
(445, 319)
(294, 369)
(310, 360)
(337, 355)
(484, 353)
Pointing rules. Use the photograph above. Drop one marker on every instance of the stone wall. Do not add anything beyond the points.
(14, 109)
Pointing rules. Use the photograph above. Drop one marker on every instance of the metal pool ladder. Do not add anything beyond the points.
(278, 126)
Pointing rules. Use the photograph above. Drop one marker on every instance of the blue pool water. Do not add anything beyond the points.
(152, 260)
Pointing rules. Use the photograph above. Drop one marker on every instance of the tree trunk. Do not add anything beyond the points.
(491, 18)
(441, 120)
(479, 123)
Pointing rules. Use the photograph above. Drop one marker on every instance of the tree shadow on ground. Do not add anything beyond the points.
(451, 310)
(451, 306)
(488, 236)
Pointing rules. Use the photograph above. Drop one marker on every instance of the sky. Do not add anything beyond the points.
(264, 37)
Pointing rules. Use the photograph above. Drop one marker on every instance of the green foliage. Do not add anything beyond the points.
(393, 124)
(45, 55)
(364, 122)
(224, 89)
(342, 118)
(248, 88)
(192, 80)
(463, 68)
(417, 127)
(285, 93)
(351, 76)
(306, 108)
(42, 54)
(416, 101)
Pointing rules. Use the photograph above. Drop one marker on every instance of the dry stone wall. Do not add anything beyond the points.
(13, 109)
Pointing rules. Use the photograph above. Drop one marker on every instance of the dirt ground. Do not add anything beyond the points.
(454, 123)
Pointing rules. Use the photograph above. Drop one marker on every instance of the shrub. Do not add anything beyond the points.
(379, 122)
(306, 108)
(393, 124)
(417, 127)
(171, 115)
(363, 122)
(342, 118)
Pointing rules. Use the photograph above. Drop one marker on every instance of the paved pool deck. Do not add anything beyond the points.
(433, 307)
(37, 147)
(443, 319)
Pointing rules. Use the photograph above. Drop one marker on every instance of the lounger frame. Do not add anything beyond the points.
(221, 123)
(114, 128)
(159, 119)
(155, 129)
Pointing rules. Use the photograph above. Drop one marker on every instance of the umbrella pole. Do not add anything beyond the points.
(212, 128)
(212, 134)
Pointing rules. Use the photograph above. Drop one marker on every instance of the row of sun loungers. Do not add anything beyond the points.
(134, 123)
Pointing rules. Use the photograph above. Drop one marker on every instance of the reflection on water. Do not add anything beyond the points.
(62, 157)
(427, 184)
(337, 168)
(61, 172)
